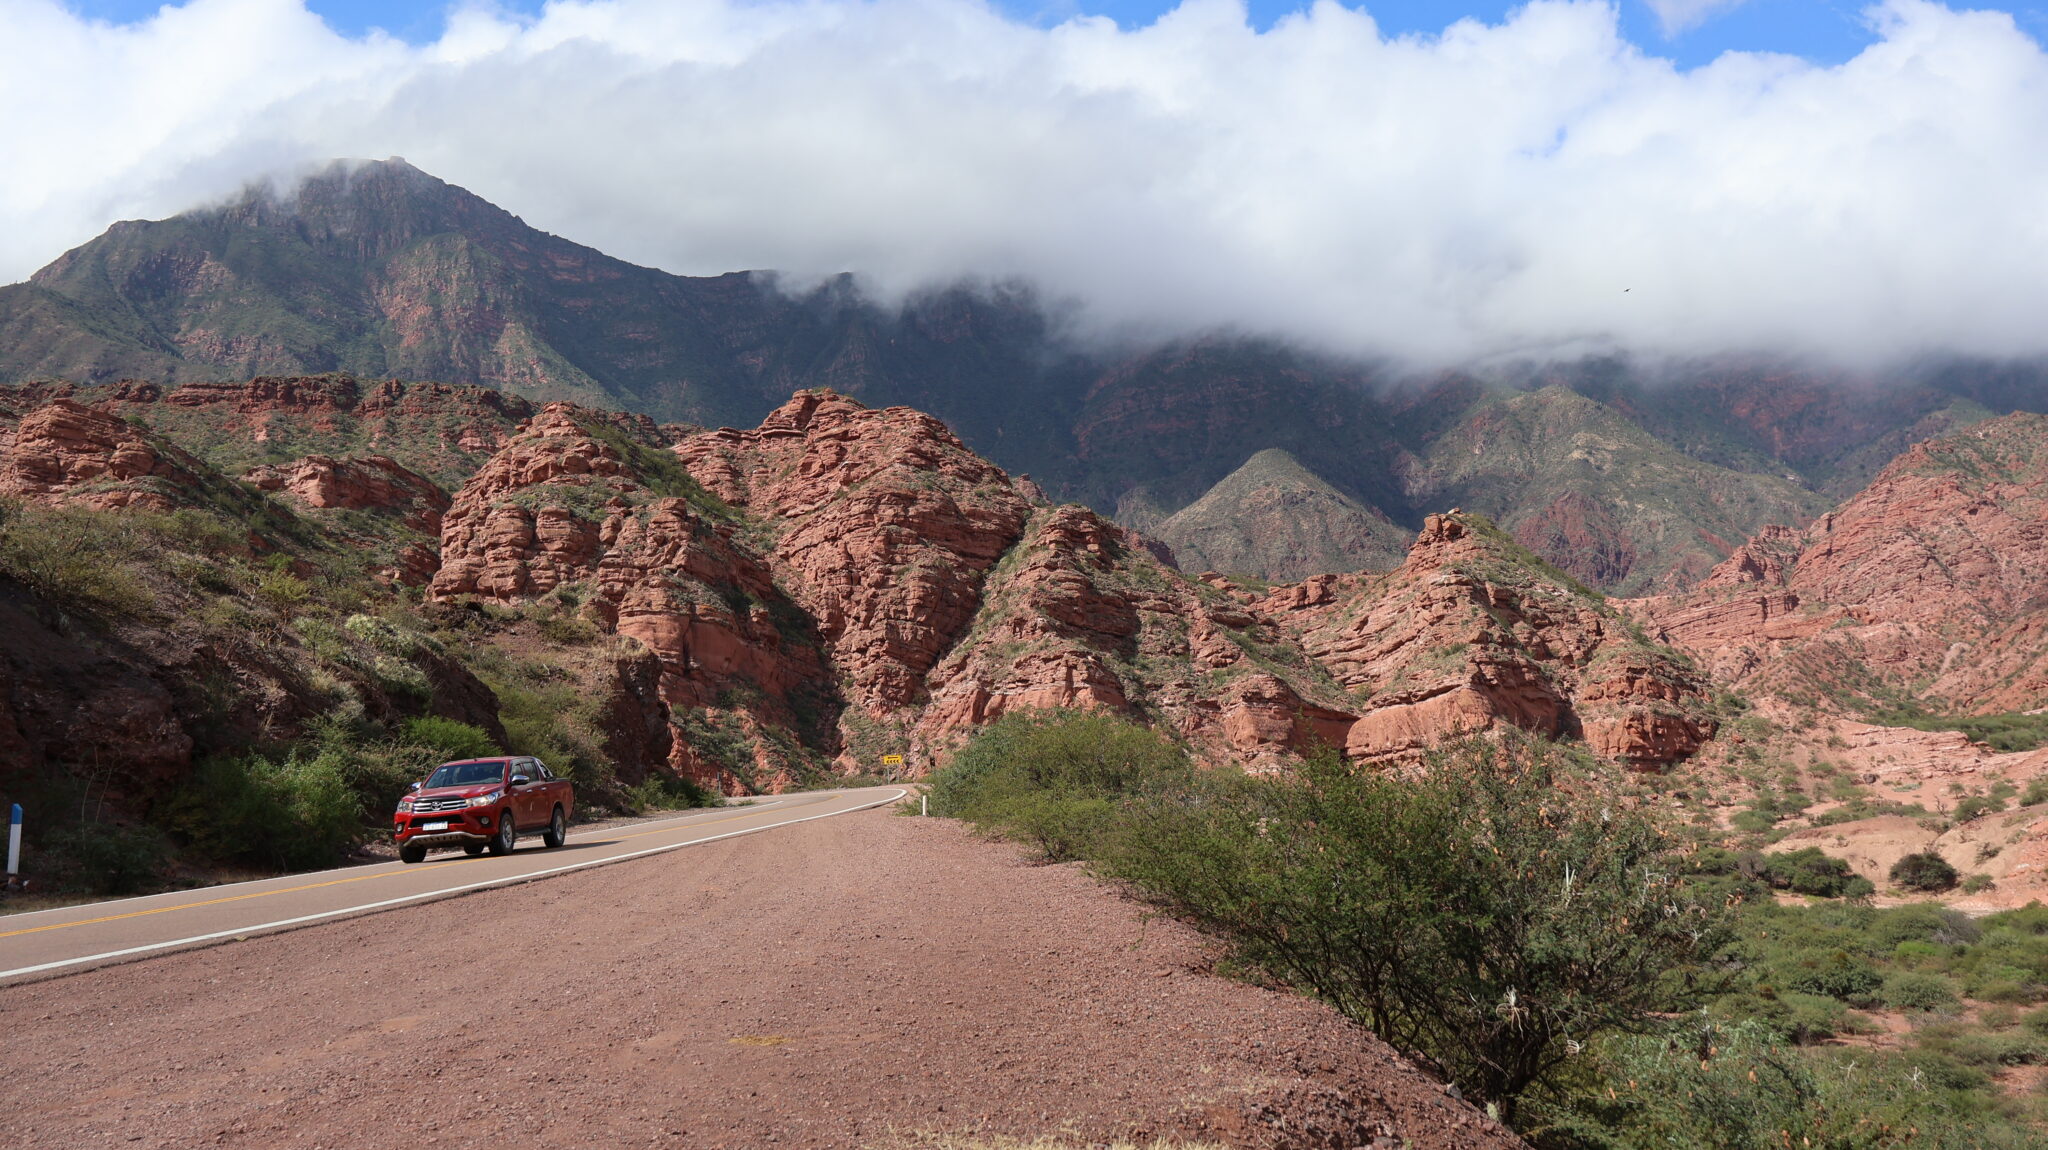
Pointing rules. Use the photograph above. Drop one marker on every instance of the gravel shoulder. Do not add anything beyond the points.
(832, 984)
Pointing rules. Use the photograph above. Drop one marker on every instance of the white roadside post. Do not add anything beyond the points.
(13, 846)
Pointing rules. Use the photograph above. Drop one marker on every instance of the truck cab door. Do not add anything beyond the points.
(520, 800)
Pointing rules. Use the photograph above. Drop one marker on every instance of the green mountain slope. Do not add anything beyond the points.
(1579, 484)
(1276, 520)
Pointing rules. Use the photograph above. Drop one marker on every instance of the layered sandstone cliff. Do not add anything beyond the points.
(1081, 615)
(884, 528)
(1471, 632)
(1924, 589)
(64, 452)
(374, 483)
(572, 503)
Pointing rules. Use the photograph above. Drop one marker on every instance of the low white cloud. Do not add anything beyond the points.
(1532, 185)
(1678, 16)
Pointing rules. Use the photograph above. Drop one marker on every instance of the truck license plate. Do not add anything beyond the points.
(440, 826)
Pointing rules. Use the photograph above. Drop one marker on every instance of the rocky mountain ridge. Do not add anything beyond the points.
(1635, 477)
(763, 608)
(1922, 592)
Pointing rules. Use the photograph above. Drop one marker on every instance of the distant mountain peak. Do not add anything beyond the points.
(1273, 518)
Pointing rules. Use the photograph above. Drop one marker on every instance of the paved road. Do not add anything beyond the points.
(69, 939)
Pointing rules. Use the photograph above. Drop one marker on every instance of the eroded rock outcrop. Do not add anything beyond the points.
(1082, 616)
(65, 452)
(1926, 585)
(575, 504)
(374, 483)
(885, 528)
(440, 431)
(1472, 632)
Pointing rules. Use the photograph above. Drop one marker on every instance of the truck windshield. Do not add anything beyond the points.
(465, 774)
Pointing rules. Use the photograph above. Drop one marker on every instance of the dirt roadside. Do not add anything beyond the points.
(823, 985)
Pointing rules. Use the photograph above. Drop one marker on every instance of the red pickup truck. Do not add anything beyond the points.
(483, 804)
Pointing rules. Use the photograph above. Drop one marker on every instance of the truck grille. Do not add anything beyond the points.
(435, 806)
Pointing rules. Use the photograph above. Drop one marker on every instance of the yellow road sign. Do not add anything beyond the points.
(892, 760)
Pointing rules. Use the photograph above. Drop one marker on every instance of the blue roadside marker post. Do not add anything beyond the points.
(14, 847)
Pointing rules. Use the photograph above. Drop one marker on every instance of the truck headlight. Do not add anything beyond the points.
(486, 800)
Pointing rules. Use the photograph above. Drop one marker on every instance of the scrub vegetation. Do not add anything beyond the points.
(313, 693)
(1588, 973)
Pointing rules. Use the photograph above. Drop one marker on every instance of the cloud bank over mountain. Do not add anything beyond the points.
(1537, 185)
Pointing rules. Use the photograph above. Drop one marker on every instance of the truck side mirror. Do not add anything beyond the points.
(413, 786)
(520, 780)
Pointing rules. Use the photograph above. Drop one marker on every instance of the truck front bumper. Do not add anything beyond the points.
(459, 828)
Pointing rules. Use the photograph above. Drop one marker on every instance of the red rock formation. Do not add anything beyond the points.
(64, 452)
(498, 543)
(1765, 558)
(375, 483)
(886, 527)
(1081, 615)
(1469, 633)
(559, 505)
(1929, 580)
(438, 430)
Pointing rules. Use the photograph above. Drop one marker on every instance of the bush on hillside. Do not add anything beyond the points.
(1913, 990)
(1924, 871)
(107, 858)
(292, 812)
(1811, 871)
(74, 557)
(448, 738)
(1708, 1085)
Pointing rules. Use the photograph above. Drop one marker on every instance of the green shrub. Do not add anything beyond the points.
(1837, 974)
(2036, 1020)
(1977, 806)
(1054, 779)
(1486, 914)
(2000, 982)
(109, 859)
(1706, 1085)
(2011, 731)
(2036, 792)
(448, 738)
(1914, 990)
(1921, 922)
(290, 813)
(75, 557)
(1913, 952)
(1796, 1017)
(1978, 883)
(568, 630)
(1753, 822)
(1811, 871)
(284, 590)
(1924, 871)
(665, 792)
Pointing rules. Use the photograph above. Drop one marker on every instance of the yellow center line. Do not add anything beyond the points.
(213, 901)
(318, 885)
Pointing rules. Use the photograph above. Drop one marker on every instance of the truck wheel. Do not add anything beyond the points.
(411, 852)
(472, 849)
(557, 832)
(507, 834)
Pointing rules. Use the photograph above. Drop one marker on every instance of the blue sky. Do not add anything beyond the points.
(1825, 31)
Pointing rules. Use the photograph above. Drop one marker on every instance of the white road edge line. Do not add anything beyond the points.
(29, 916)
(509, 880)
